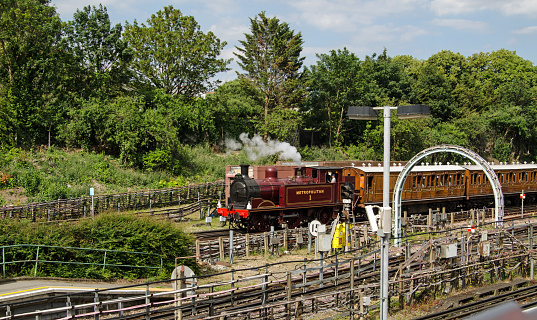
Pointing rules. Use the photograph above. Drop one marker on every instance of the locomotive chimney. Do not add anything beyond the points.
(244, 170)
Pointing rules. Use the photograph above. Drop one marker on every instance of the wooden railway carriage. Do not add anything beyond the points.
(424, 186)
(514, 178)
(452, 186)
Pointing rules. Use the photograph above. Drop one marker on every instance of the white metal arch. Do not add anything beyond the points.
(491, 175)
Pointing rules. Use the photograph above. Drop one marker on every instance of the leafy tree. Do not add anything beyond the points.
(100, 53)
(30, 70)
(123, 127)
(236, 105)
(391, 84)
(270, 56)
(334, 85)
(172, 54)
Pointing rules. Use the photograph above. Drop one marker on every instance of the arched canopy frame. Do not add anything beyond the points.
(491, 175)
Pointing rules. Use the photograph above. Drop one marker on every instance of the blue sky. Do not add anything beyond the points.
(419, 28)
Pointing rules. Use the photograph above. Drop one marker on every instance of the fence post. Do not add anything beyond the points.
(247, 239)
(285, 246)
(266, 242)
(309, 239)
(36, 259)
(96, 307)
(288, 306)
(104, 261)
(231, 245)
(198, 250)
(351, 293)
(532, 262)
(221, 248)
(147, 303)
(201, 210)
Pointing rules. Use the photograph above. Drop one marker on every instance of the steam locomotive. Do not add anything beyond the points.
(311, 193)
(324, 192)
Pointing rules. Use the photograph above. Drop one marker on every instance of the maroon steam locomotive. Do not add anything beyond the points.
(311, 193)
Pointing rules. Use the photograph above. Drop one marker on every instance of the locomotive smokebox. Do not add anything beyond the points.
(244, 170)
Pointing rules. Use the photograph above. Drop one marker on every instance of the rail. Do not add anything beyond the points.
(103, 262)
(338, 282)
(66, 209)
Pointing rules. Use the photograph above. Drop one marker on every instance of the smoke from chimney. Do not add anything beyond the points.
(256, 148)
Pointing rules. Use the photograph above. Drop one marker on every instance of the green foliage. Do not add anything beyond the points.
(157, 160)
(172, 53)
(53, 174)
(107, 231)
(31, 71)
(270, 56)
(100, 53)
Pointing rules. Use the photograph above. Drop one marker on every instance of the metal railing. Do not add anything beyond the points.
(102, 262)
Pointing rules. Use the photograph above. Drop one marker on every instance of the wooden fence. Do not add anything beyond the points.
(66, 209)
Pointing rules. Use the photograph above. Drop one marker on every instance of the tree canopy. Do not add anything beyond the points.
(140, 91)
(172, 53)
(270, 57)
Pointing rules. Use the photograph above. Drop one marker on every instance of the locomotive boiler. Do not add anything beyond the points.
(311, 193)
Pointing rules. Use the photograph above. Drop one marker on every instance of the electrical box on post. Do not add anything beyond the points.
(386, 219)
(484, 248)
(325, 242)
(448, 250)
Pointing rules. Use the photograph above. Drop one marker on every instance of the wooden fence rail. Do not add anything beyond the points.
(67, 209)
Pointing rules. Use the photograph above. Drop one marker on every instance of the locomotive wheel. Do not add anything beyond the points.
(260, 222)
(324, 216)
(294, 222)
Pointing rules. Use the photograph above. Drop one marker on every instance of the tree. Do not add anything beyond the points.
(334, 85)
(30, 69)
(102, 55)
(172, 54)
(235, 105)
(270, 56)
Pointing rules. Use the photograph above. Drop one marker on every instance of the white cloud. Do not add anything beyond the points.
(348, 15)
(511, 7)
(527, 30)
(388, 34)
(461, 24)
(229, 31)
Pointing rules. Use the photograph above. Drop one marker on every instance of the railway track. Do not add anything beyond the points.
(521, 296)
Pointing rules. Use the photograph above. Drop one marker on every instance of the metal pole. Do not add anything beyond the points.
(522, 198)
(385, 236)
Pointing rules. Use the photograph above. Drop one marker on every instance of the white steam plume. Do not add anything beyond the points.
(256, 148)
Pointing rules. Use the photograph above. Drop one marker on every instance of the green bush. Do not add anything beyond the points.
(108, 231)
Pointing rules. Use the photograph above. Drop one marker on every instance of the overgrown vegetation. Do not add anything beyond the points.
(108, 231)
(51, 174)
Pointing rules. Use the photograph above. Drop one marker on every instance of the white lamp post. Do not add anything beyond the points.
(368, 113)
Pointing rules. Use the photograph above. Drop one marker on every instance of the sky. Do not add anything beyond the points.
(419, 28)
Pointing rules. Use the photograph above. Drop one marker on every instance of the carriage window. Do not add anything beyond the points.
(419, 182)
(450, 180)
(314, 174)
(370, 182)
(414, 181)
